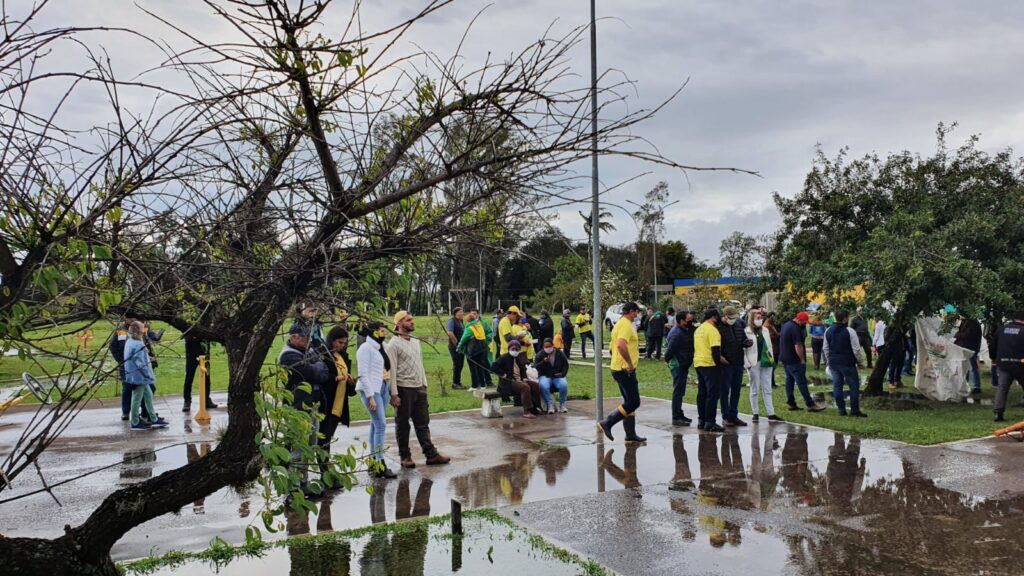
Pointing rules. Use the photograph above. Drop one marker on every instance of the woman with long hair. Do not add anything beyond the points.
(373, 391)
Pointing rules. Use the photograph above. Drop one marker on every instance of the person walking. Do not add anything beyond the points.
(793, 356)
(625, 348)
(585, 331)
(708, 360)
(842, 355)
(968, 335)
(734, 340)
(339, 386)
(655, 334)
(409, 392)
(455, 330)
(139, 377)
(860, 326)
(552, 368)
(817, 329)
(194, 348)
(759, 360)
(511, 366)
(1011, 360)
(374, 393)
(116, 345)
(679, 358)
(568, 332)
(475, 345)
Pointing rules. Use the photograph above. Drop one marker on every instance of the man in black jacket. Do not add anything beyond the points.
(734, 340)
(969, 336)
(545, 329)
(568, 332)
(655, 333)
(679, 357)
(194, 348)
(860, 327)
(304, 367)
(552, 367)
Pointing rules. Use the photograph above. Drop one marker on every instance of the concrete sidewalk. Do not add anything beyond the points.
(766, 499)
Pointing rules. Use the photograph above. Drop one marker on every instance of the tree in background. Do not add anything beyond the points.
(917, 232)
(740, 255)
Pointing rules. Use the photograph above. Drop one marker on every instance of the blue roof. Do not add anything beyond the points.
(726, 281)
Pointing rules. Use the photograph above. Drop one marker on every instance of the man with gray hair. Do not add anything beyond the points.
(304, 366)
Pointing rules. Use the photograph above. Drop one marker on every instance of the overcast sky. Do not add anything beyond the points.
(767, 82)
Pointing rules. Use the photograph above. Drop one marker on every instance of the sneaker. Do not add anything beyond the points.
(386, 473)
(794, 408)
(210, 404)
(975, 391)
(858, 415)
(738, 422)
(528, 416)
(124, 417)
(680, 423)
(160, 423)
(774, 418)
(815, 408)
(141, 426)
(457, 387)
(563, 409)
(438, 459)
(755, 418)
(842, 413)
(186, 408)
(551, 410)
(729, 423)
(714, 428)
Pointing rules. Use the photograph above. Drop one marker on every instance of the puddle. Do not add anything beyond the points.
(405, 549)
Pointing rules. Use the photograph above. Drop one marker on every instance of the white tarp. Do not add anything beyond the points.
(942, 366)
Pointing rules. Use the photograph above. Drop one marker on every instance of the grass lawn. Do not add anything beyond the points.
(930, 423)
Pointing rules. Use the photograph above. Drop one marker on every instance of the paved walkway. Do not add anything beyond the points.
(764, 499)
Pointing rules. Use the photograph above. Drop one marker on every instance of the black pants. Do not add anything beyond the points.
(583, 343)
(479, 374)
(654, 347)
(710, 382)
(458, 359)
(629, 387)
(567, 343)
(413, 407)
(865, 345)
(191, 366)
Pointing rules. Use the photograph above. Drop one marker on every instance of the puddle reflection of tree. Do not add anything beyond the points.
(508, 482)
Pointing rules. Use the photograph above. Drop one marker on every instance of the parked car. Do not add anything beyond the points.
(614, 313)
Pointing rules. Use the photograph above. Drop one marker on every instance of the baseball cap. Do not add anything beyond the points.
(300, 329)
(730, 312)
(514, 344)
(399, 315)
(513, 310)
(803, 317)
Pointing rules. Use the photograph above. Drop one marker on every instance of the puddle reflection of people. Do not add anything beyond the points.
(137, 465)
(763, 477)
(405, 506)
(627, 474)
(552, 462)
(844, 476)
(720, 474)
(796, 473)
(194, 452)
(332, 557)
(682, 479)
(400, 551)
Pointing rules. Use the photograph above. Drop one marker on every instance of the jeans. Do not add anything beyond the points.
(994, 373)
(546, 382)
(629, 387)
(710, 381)
(846, 375)
(141, 396)
(458, 359)
(1006, 378)
(910, 349)
(479, 375)
(975, 374)
(679, 376)
(414, 406)
(797, 374)
(895, 366)
(583, 342)
(761, 385)
(732, 383)
(378, 419)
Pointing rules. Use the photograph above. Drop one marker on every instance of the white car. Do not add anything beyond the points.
(614, 313)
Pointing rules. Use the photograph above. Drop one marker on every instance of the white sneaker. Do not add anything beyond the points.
(551, 410)
(563, 409)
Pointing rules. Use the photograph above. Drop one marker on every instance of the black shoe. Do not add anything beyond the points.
(728, 423)
(124, 417)
(815, 408)
(607, 431)
(999, 418)
(687, 420)
(714, 428)
(774, 418)
(457, 387)
(738, 422)
(858, 415)
(680, 423)
(794, 408)
(635, 440)
(629, 425)
(975, 391)
(210, 404)
(386, 473)
(842, 413)
(755, 418)
(186, 408)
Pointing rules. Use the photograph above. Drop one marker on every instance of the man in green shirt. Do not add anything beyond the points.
(625, 348)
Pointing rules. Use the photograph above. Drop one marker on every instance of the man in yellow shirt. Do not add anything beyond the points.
(585, 331)
(510, 329)
(625, 349)
(708, 360)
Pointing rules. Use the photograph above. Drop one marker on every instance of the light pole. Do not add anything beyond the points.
(595, 221)
(654, 244)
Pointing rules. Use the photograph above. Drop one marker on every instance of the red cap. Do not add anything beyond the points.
(802, 317)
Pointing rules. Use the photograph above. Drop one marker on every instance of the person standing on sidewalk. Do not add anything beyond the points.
(842, 356)
(734, 340)
(679, 357)
(625, 348)
(475, 345)
(708, 360)
(568, 333)
(586, 332)
(1011, 360)
(194, 348)
(793, 356)
(373, 393)
(139, 376)
(759, 361)
(409, 392)
(860, 326)
(455, 330)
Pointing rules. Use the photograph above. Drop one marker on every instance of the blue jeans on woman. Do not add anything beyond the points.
(378, 419)
(975, 374)
(546, 382)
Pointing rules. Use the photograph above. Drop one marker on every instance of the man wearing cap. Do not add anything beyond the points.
(793, 356)
(734, 340)
(625, 347)
(1010, 356)
(408, 381)
(679, 357)
(585, 331)
(510, 328)
(304, 367)
(568, 333)
(455, 330)
(511, 368)
(708, 360)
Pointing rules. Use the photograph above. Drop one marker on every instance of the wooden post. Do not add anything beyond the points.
(202, 417)
(456, 517)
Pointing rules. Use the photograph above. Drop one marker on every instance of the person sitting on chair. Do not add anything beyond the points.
(514, 380)
(552, 367)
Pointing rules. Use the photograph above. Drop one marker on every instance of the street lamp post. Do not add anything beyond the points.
(595, 221)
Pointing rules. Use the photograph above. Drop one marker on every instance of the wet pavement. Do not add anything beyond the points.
(767, 499)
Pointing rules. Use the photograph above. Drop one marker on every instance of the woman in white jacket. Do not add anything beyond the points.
(759, 360)
(372, 388)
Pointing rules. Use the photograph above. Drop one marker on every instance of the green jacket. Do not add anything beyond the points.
(470, 346)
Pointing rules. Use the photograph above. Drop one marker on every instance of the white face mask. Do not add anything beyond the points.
(549, 350)
(730, 321)
(513, 353)
(759, 322)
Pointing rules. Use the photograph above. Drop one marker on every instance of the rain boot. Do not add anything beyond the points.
(610, 421)
(629, 425)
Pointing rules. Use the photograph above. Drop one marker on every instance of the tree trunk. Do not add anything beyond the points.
(893, 345)
(86, 548)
